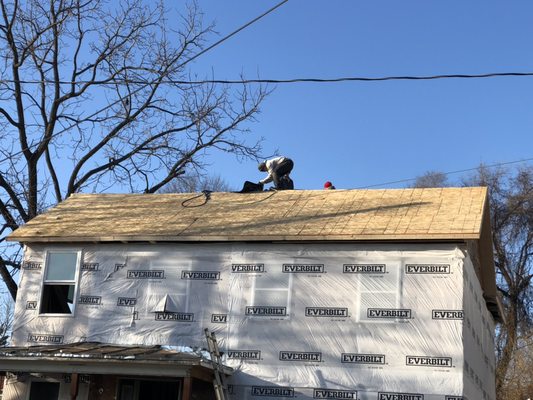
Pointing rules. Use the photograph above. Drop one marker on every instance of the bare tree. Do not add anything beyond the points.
(190, 183)
(431, 179)
(91, 98)
(518, 384)
(511, 201)
(6, 319)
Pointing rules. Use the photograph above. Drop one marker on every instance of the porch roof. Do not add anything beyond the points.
(101, 358)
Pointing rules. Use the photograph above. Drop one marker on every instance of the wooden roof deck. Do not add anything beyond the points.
(292, 215)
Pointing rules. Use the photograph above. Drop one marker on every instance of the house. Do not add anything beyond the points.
(346, 294)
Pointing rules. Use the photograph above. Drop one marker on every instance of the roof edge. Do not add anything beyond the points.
(236, 238)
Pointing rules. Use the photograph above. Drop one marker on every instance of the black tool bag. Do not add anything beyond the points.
(250, 187)
(285, 183)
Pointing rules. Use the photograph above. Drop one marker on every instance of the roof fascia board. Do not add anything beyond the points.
(205, 239)
(90, 367)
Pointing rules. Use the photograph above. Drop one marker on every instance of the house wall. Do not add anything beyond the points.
(478, 336)
(382, 321)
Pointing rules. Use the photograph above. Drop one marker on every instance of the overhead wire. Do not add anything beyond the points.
(217, 43)
(283, 81)
(501, 164)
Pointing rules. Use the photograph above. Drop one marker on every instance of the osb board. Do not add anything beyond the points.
(388, 214)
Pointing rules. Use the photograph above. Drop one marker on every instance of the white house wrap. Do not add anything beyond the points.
(306, 321)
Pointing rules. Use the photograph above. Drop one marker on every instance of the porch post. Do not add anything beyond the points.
(187, 388)
(74, 381)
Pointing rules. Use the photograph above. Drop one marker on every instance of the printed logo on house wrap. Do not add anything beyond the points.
(334, 394)
(90, 267)
(145, 274)
(174, 316)
(428, 361)
(219, 318)
(91, 300)
(353, 358)
(331, 312)
(244, 354)
(303, 268)
(300, 356)
(454, 398)
(399, 396)
(427, 268)
(247, 268)
(200, 275)
(363, 268)
(447, 314)
(266, 311)
(32, 265)
(44, 338)
(118, 267)
(31, 305)
(272, 391)
(394, 313)
(126, 301)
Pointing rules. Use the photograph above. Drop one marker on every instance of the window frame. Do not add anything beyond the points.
(154, 295)
(75, 281)
(288, 290)
(361, 314)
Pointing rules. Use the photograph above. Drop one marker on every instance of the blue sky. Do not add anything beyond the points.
(358, 134)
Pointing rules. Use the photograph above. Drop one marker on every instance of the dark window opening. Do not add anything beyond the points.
(59, 286)
(44, 391)
(57, 299)
(130, 389)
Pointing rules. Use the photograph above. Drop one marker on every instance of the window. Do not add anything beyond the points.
(44, 391)
(271, 295)
(130, 389)
(59, 286)
(176, 298)
(379, 295)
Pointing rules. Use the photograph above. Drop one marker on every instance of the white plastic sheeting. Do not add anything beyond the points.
(387, 322)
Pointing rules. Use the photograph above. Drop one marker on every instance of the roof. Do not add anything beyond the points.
(291, 215)
(101, 358)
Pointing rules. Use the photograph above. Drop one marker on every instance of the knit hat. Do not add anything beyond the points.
(327, 185)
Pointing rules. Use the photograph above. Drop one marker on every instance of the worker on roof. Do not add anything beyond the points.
(329, 186)
(278, 170)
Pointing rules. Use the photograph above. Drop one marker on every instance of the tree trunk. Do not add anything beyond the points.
(508, 350)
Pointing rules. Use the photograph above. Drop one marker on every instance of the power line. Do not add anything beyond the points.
(364, 79)
(448, 173)
(179, 66)
(284, 81)
(236, 31)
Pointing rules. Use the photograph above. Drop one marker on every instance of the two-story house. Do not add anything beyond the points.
(342, 294)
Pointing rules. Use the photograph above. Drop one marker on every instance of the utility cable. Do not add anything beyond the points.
(235, 32)
(284, 81)
(448, 173)
(180, 65)
(360, 78)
